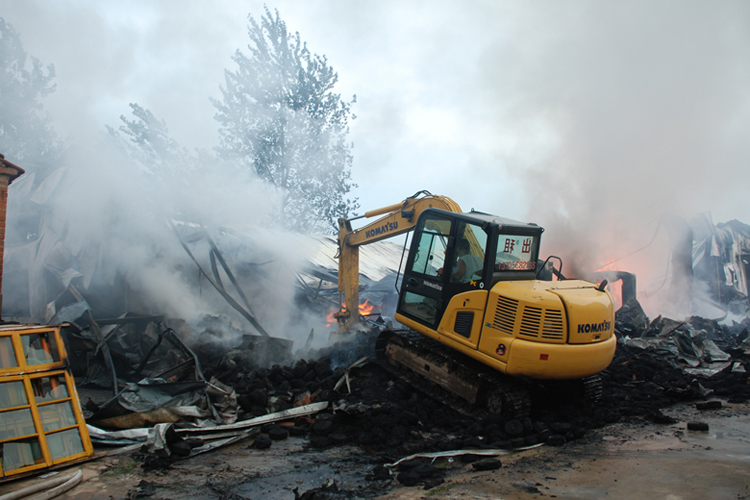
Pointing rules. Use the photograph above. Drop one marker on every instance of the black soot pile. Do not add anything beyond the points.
(641, 380)
(379, 412)
(373, 409)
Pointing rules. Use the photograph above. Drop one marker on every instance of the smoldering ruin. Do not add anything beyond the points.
(178, 323)
(170, 389)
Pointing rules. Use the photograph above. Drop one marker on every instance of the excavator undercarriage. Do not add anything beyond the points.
(456, 380)
(467, 386)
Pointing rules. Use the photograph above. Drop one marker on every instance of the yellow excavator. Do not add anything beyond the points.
(481, 323)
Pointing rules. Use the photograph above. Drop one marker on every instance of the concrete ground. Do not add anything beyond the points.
(622, 461)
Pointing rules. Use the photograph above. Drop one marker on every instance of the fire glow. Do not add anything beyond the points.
(614, 289)
(365, 309)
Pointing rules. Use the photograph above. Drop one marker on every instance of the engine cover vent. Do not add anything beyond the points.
(542, 324)
(554, 326)
(464, 322)
(537, 323)
(530, 322)
(505, 314)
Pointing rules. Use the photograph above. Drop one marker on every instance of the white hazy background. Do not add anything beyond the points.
(589, 118)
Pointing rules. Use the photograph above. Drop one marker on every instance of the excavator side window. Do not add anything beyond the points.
(422, 286)
(468, 261)
(433, 241)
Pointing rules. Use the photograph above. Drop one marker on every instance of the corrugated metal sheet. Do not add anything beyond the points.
(376, 261)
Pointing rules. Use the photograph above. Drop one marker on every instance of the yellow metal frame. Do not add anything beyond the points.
(575, 355)
(30, 375)
(397, 219)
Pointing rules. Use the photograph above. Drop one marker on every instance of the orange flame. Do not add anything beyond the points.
(330, 319)
(609, 266)
(365, 309)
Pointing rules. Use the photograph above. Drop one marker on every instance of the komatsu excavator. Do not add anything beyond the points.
(481, 323)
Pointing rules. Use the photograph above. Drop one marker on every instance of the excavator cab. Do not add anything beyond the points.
(452, 253)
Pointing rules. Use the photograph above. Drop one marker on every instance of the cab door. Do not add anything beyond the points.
(466, 288)
(423, 288)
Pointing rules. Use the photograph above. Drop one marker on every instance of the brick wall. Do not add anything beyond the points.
(8, 172)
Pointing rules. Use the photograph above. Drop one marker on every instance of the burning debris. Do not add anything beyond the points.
(708, 273)
(721, 259)
(340, 396)
(176, 389)
(372, 408)
(387, 417)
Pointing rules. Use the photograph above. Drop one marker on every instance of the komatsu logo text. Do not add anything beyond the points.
(385, 228)
(595, 327)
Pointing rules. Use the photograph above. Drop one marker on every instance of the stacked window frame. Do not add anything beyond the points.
(41, 422)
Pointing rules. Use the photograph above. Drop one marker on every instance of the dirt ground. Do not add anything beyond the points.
(634, 459)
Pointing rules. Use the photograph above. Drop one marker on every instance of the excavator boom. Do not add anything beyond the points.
(397, 219)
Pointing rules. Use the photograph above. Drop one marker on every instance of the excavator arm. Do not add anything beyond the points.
(397, 219)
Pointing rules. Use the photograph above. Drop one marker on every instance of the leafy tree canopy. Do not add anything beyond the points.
(279, 116)
(146, 139)
(26, 135)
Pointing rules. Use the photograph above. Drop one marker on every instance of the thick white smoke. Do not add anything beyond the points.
(592, 119)
(107, 218)
(622, 113)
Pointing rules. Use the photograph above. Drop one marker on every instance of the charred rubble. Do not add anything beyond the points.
(657, 364)
(662, 362)
(382, 414)
(148, 366)
(377, 412)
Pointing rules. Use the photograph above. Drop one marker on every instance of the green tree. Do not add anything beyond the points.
(146, 139)
(26, 135)
(280, 117)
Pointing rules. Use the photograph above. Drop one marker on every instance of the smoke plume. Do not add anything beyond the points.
(632, 111)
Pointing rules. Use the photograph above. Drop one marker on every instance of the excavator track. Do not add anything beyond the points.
(450, 377)
(586, 391)
(592, 388)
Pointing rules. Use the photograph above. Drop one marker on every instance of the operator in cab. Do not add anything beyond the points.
(468, 264)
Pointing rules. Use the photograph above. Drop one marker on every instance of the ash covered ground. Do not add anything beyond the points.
(387, 419)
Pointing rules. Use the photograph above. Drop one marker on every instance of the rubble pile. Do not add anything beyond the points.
(370, 407)
(662, 362)
(657, 364)
(382, 414)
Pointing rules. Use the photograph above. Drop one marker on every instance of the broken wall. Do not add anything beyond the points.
(721, 258)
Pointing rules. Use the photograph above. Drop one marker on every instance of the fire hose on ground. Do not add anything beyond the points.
(54, 487)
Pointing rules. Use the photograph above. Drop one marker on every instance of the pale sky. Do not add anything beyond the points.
(591, 118)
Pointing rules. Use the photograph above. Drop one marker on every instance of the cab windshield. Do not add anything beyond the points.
(516, 252)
